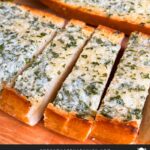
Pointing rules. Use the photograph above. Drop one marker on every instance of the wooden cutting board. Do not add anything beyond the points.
(13, 131)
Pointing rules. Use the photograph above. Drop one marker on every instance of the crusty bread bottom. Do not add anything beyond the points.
(113, 131)
(66, 123)
(14, 104)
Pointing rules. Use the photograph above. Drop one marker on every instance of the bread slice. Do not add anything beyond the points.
(119, 117)
(74, 108)
(24, 33)
(126, 16)
(38, 84)
(144, 132)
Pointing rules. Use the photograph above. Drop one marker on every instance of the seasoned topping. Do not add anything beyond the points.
(137, 11)
(22, 36)
(82, 90)
(36, 82)
(128, 91)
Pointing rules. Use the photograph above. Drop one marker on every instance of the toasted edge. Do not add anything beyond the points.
(45, 15)
(41, 13)
(94, 18)
(67, 123)
(14, 104)
(113, 131)
(112, 34)
(86, 29)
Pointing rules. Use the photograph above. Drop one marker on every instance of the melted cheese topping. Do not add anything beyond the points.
(137, 11)
(128, 91)
(36, 81)
(22, 36)
(82, 90)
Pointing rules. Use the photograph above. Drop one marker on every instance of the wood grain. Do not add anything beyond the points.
(13, 131)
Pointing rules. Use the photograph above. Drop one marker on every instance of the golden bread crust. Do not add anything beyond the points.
(94, 18)
(14, 104)
(66, 123)
(114, 131)
(44, 14)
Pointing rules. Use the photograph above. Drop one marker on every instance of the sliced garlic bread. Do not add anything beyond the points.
(120, 114)
(123, 15)
(24, 32)
(79, 97)
(38, 84)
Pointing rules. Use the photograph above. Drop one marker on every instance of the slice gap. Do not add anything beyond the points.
(78, 99)
(39, 83)
(120, 114)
